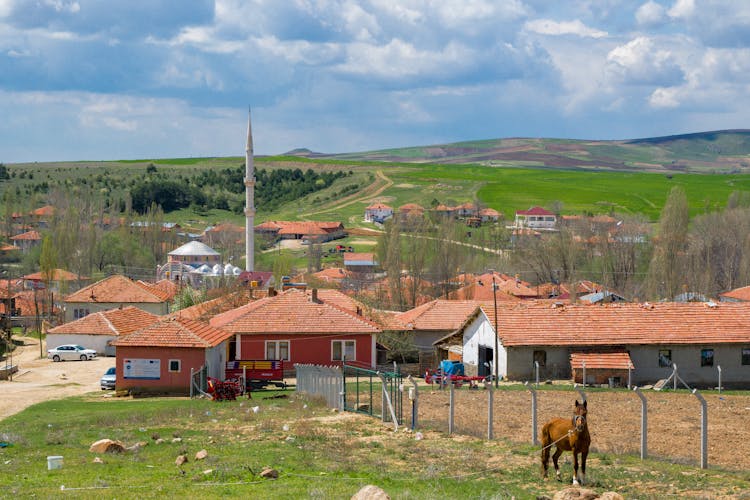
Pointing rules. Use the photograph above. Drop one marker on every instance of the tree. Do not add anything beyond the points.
(666, 271)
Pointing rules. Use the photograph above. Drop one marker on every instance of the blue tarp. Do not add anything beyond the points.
(452, 367)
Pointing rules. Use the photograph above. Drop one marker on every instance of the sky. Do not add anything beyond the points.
(137, 79)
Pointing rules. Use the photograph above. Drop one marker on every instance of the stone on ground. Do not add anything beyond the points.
(371, 492)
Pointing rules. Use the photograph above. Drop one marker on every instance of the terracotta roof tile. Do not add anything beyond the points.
(111, 322)
(613, 359)
(57, 275)
(741, 294)
(540, 323)
(535, 211)
(28, 235)
(292, 312)
(439, 315)
(117, 288)
(175, 332)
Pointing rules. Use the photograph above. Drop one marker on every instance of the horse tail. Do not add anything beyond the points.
(546, 445)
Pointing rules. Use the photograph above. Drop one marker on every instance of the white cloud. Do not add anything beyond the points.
(641, 61)
(682, 9)
(554, 28)
(6, 7)
(650, 13)
(664, 98)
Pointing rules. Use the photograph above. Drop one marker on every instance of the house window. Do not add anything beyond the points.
(665, 358)
(540, 357)
(343, 348)
(174, 365)
(746, 355)
(707, 357)
(80, 313)
(277, 349)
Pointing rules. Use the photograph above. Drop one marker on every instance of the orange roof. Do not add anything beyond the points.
(475, 291)
(439, 315)
(534, 323)
(411, 207)
(292, 312)
(27, 236)
(339, 299)
(45, 211)
(489, 212)
(332, 274)
(365, 256)
(117, 288)
(210, 308)
(165, 288)
(613, 359)
(7, 248)
(741, 294)
(379, 206)
(110, 322)
(307, 228)
(175, 332)
(57, 275)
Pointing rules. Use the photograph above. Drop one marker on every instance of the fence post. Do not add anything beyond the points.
(584, 374)
(490, 406)
(534, 440)
(536, 370)
(451, 402)
(718, 367)
(388, 401)
(674, 382)
(644, 422)
(192, 381)
(630, 368)
(414, 402)
(704, 429)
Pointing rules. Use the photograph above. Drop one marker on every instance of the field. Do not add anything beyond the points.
(318, 454)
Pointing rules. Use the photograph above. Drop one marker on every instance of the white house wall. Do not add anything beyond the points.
(481, 333)
(216, 358)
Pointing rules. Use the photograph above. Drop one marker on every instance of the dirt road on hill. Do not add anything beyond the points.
(40, 380)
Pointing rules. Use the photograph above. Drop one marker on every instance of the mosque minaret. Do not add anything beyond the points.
(249, 199)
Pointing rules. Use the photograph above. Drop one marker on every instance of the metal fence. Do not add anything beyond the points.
(324, 381)
(199, 382)
(375, 393)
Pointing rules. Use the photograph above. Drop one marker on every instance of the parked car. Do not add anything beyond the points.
(108, 379)
(70, 352)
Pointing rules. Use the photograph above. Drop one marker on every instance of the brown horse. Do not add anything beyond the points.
(567, 435)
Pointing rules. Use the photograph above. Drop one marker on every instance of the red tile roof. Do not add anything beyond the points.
(411, 207)
(210, 308)
(333, 274)
(45, 211)
(175, 332)
(339, 299)
(165, 288)
(111, 322)
(27, 236)
(613, 359)
(379, 206)
(536, 323)
(292, 312)
(57, 275)
(439, 315)
(741, 294)
(117, 288)
(475, 291)
(535, 211)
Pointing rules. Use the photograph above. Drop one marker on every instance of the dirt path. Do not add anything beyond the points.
(40, 380)
(357, 197)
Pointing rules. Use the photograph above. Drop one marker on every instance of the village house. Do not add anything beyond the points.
(378, 212)
(741, 294)
(318, 232)
(161, 357)
(97, 330)
(536, 218)
(698, 337)
(360, 262)
(114, 292)
(299, 328)
(26, 241)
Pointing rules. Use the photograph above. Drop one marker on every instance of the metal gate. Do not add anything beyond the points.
(374, 393)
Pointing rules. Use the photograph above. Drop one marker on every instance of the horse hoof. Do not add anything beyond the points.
(575, 482)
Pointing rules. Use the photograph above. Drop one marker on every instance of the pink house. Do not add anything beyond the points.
(298, 328)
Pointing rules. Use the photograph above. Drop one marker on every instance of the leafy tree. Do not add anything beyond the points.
(666, 271)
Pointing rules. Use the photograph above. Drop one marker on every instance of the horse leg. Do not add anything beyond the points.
(584, 454)
(557, 454)
(575, 467)
(545, 459)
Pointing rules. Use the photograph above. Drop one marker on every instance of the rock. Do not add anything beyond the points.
(181, 459)
(543, 497)
(647, 387)
(159, 441)
(611, 495)
(370, 492)
(155, 436)
(201, 455)
(269, 473)
(176, 440)
(576, 493)
(208, 471)
(137, 446)
(107, 446)
(98, 460)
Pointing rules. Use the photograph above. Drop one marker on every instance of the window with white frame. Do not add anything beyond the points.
(80, 313)
(277, 349)
(343, 349)
(174, 365)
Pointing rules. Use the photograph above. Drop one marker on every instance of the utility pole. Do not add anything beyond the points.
(494, 299)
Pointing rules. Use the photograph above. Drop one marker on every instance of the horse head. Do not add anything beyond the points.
(579, 416)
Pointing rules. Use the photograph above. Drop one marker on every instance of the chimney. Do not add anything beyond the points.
(359, 311)
(271, 292)
(314, 297)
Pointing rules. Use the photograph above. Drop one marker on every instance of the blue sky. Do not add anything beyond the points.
(124, 79)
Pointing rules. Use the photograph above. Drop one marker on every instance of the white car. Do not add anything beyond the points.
(70, 352)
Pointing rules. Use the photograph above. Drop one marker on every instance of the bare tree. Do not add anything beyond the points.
(666, 272)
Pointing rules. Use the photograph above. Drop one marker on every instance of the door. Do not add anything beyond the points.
(485, 361)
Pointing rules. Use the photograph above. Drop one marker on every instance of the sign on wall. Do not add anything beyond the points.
(149, 369)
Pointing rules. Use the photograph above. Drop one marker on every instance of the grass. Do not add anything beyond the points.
(319, 454)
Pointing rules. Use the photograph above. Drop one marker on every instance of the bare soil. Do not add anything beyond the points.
(41, 379)
(614, 420)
